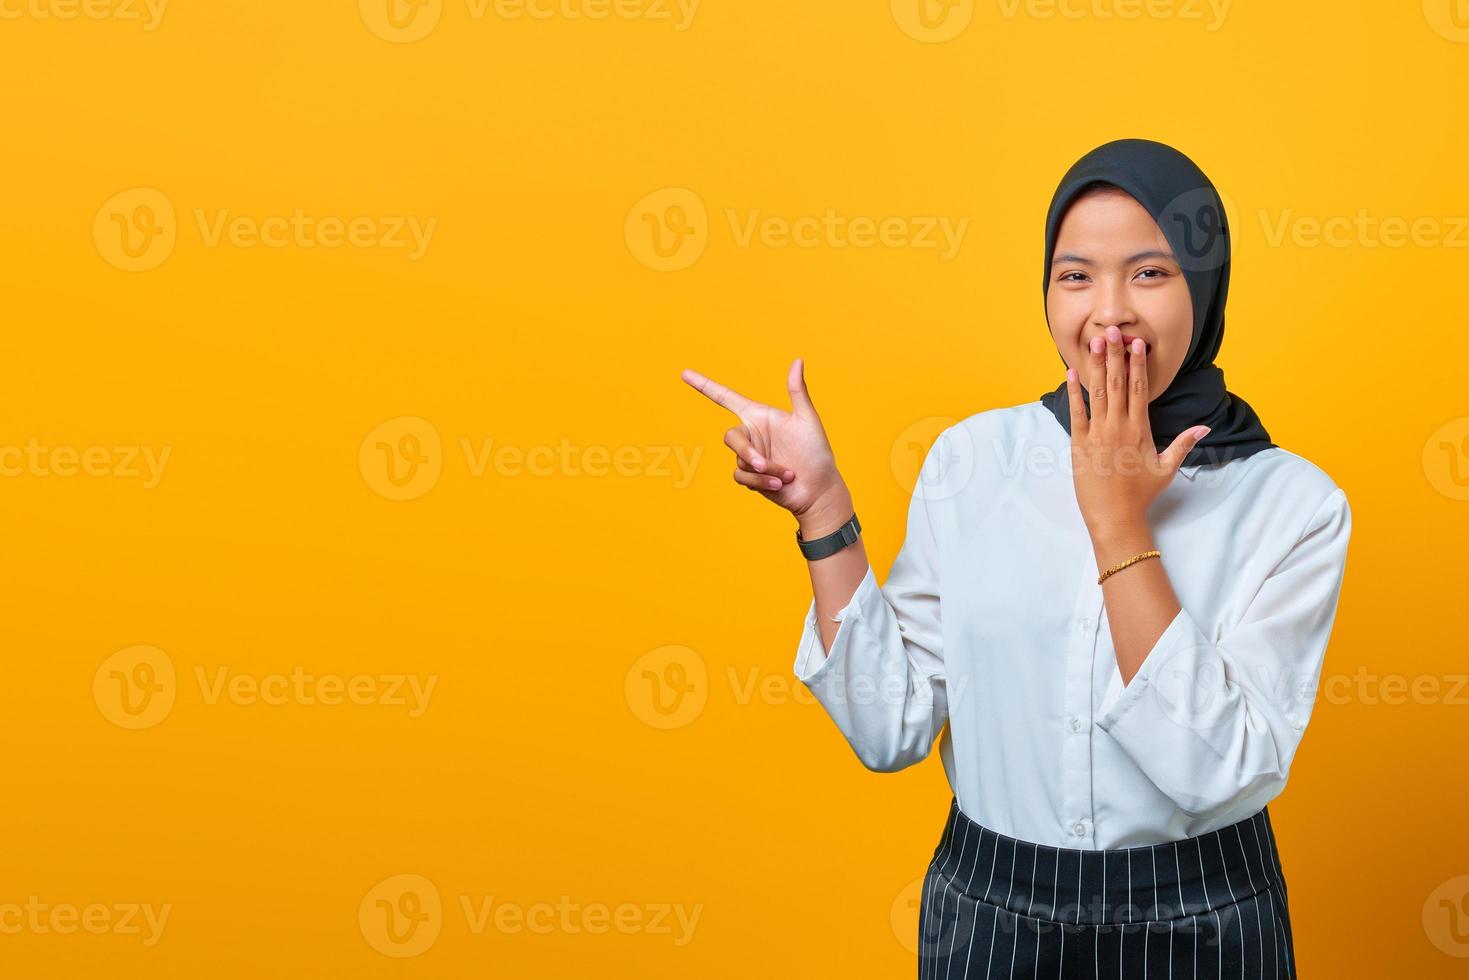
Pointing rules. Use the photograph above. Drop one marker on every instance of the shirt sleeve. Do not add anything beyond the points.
(882, 681)
(1215, 723)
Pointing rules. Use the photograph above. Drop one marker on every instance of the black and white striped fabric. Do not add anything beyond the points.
(1209, 906)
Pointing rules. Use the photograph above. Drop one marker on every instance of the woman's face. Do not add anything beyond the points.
(1114, 267)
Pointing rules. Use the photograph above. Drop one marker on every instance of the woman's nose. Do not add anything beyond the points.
(1111, 306)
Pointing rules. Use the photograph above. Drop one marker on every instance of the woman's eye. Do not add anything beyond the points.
(1066, 277)
(1152, 273)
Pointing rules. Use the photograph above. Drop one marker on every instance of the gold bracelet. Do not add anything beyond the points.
(1123, 564)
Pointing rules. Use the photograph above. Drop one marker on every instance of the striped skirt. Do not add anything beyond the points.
(1209, 906)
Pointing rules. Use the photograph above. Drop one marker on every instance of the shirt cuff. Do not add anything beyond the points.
(812, 658)
(1122, 700)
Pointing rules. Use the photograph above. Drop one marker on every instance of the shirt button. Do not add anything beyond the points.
(1075, 724)
(1079, 829)
(1086, 622)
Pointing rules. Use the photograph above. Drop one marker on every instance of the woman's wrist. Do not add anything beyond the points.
(826, 515)
(1118, 542)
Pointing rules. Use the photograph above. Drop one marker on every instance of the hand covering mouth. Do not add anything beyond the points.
(1180, 198)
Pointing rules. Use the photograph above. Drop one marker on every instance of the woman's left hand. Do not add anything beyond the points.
(1118, 471)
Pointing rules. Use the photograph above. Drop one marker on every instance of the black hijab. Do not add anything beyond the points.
(1189, 211)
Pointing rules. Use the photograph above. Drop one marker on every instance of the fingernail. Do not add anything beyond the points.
(1114, 334)
(1204, 430)
(1137, 345)
(757, 461)
(1071, 374)
(774, 483)
(790, 475)
(1098, 344)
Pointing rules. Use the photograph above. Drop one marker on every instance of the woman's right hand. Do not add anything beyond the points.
(783, 455)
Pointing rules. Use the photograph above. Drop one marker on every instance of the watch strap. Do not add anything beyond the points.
(829, 544)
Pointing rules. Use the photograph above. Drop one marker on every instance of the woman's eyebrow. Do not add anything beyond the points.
(1151, 253)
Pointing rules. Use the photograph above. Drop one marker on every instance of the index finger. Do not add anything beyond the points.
(1079, 421)
(718, 393)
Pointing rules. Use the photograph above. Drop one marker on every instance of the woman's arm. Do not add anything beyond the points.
(787, 458)
(1118, 473)
(1140, 600)
(834, 579)
(870, 655)
(878, 669)
(1215, 722)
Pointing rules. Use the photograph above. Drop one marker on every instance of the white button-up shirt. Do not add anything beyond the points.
(992, 620)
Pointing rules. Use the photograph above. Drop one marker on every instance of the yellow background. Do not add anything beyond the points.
(538, 774)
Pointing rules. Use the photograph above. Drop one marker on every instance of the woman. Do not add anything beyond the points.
(1125, 649)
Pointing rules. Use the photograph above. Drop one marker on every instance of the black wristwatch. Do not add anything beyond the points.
(830, 544)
